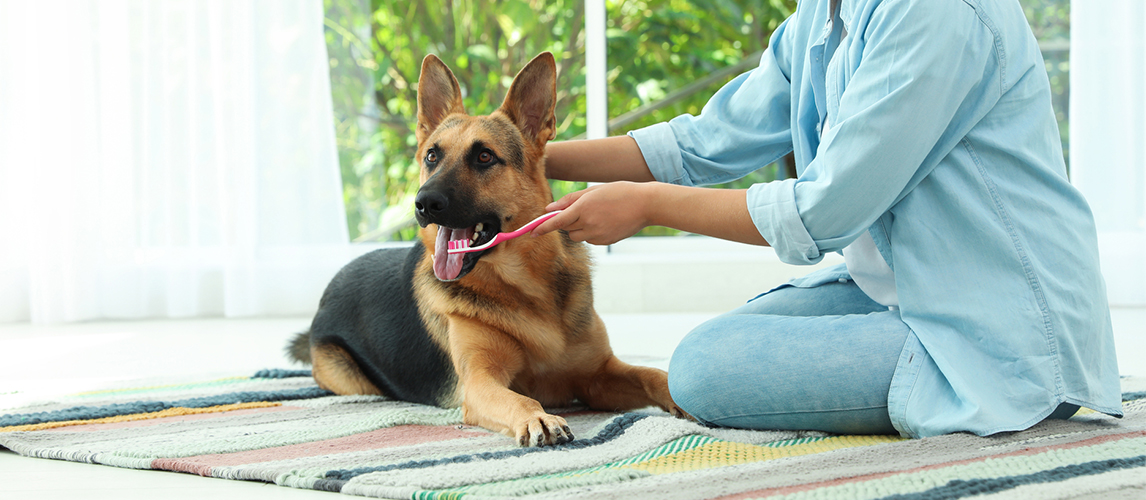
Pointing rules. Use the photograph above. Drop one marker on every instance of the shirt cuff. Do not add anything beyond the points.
(772, 207)
(662, 154)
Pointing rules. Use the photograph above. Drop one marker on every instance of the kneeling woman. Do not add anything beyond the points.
(971, 298)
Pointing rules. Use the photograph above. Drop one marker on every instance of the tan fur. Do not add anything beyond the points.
(520, 328)
(335, 371)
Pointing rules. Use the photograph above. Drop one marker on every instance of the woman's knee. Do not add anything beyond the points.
(692, 379)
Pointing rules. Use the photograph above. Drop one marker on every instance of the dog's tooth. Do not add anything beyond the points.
(478, 227)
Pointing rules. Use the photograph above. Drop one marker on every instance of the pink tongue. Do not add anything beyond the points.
(448, 266)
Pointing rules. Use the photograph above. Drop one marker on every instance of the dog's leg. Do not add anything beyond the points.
(487, 361)
(335, 371)
(619, 386)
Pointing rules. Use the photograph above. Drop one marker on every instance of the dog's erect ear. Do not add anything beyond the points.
(531, 99)
(439, 96)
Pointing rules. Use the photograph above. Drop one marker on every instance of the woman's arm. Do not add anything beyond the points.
(611, 212)
(608, 213)
(597, 160)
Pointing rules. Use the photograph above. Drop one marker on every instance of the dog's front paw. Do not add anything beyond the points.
(542, 429)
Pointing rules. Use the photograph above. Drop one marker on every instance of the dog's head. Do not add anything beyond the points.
(481, 175)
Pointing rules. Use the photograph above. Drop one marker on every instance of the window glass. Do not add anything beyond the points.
(376, 49)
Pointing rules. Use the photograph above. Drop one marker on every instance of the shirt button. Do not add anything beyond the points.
(843, 280)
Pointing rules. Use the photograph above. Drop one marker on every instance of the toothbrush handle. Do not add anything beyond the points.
(528, 227)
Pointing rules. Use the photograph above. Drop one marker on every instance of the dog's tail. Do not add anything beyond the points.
(299, 348)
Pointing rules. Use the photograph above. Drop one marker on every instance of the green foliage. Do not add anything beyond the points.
(657, 46)
(1049, 19)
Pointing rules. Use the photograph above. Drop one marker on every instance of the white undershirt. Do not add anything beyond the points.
(870, 272)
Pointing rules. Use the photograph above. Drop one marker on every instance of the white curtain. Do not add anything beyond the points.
(1108, 135)
(165, 159)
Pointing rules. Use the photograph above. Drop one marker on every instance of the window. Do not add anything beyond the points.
(376, 49)
(663, 58)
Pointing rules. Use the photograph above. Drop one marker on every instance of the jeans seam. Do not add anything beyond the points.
(740, 415)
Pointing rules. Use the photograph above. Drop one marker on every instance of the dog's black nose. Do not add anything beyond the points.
(430, 203)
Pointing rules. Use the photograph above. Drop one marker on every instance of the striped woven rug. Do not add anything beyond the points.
(277, 426)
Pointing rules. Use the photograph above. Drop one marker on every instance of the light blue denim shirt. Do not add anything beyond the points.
(944, 147)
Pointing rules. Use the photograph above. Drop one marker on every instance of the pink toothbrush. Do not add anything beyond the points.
(463, 246)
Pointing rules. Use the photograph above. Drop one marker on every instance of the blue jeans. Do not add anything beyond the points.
(818, 358)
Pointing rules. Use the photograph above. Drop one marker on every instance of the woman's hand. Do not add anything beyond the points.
(602, 215)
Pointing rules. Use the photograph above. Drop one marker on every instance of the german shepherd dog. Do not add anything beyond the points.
(501, 332)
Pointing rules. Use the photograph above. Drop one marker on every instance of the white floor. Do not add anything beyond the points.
(41, 361)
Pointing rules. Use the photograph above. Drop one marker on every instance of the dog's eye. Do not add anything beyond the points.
(431, 156)
(482, 158)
